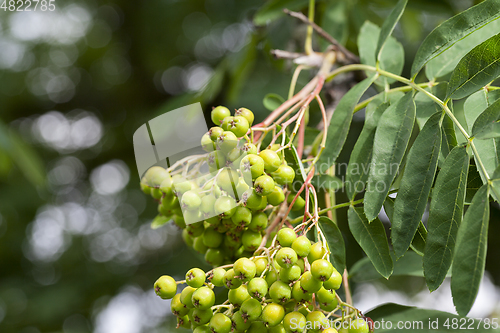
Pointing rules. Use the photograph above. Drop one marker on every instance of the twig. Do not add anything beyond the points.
(349, 57)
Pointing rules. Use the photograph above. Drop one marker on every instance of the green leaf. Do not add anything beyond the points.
(341, 122)
(490, 131)
(408, 265)
(444, 63)
(453, 30)
(445, 215)
(426, 107)
(361, 155)
(478, 68)
(474, 183)
(372, 239)
(391, 58)
(416, 184)
(422, 320)
(495, 184)
(390, 142)
(418, 242)
(489, 149)
(487, 120)
(272, 101)
(335, 243)
(273, 10)
(449, 138)
(389, 25)
(470, 252)
(159, 221)
(326, 182)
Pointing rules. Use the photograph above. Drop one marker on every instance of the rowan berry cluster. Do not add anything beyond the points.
(276, 279)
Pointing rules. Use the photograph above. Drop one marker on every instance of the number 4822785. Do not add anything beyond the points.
(28, 5)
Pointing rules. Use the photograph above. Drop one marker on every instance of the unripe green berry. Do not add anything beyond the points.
(203, 298)
(239, 126)
(334, 281)
(207, 205)
(299, 294)
(218, 114)
(226, 179)
(195, 277)
(242, 217)
(227, 141)
(220, 323)
(216, 160)
(299, 204)
(177, 307)
(195, 229)
(252, 200)
(215, 132)
(286, 257)
(225, 206)
(286, 236)
(294, 322)
(226, 123)
(302, 245)
(184, 322)
(309, 283)
(244, 269)
(259, 222)
(251, 309)
(276, 197)
(155, 176)
(230, 280)
(252, 164)
(190, 200)
(212, 238)
(276, 329)
(260, 264)
(165, 287)
(321, 269)
(290, 274)
(257, 288)
(238, 295)
(264, 185)
(249, 148)
(206, 143)
(280, 292)
(325, 297)
(271, 160)
(186, 295)
(317, 320)
(247, 114)
(273, 314)
(156, 193)
(317, 252)
(202, 329)
(251, 240)
(216, 277)
(201, 317)
(284, 175)
(271, 277)
(239, 324)
(199, 246)
(358, 326)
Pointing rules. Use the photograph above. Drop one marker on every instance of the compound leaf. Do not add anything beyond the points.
(335, 243)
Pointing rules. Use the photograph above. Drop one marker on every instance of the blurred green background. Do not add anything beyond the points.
(76, 250)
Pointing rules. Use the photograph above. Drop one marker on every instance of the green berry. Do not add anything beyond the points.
(225, 206)
(239, 324)
(212, 238)
(166, 187)
(216, 160)
(195, 229)
(214, 257)
(309, 283)
(317, 320)
(286, 257)
(276, 329)
(215, 132)
(145, 187)
(264, 185)
(177, 307)
(206, 143)
(251, 309)
(190, 200)
(244, 269)
(260, 264)
(299, 294)
(186, 295)
(238, 295)
(226, 179)
(216, 277)
(165, 287)
(184, 322)
(195, 277)
(219, 113)
(201, 317)
(207, 205)
(155, 176)
(199, 245)
(227, 141)
(226, 123)
(246, 113)
(249, 148)
(273, 314)
(156, 193)
(239, 126)
(188, 239)
(259, 222)
(271, 160)
(299, 204)
(294, 322)
(202, 329)
(284, 175)
(252, 200)
(302, 245)
(358, 326)
(286, 236)
(251, 240)
(334, 281)
(271, 277)
(317, 252)
(325, 297)
(276, 197)
(220, 323)
(242, 217)
(290, 274)
(230, 280)
(280, 292)
(257, 288)
(321, 269)
(203, 298)
(252, 164)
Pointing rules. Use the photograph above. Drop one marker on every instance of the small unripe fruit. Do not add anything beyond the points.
(239, 126)
(249, 148)
(218, 114)
(252, 164)
(206, 143)
(317, 252)
(177, 307)
(290, 274)
(246, 113)
(309, 283)
(326, 297)
(203, 298)
(259, 222)
(155, 176)
(214, 257)
(302, 245)
(225, 206)
(215, 132)
(358, 326)
(251, 240)
(242, 217)
(226, 122)
(201, 317)
(230, 280)
(195, 277)
(186, 295)
(226, 179)
(294, 322)
(257, 288)
(271, 160)
(318, 321)
(165, 287)
(238, 295)
(299, 294)
(284, 175)
(252, 200)
(280, 292)
(250, 310)
(260, 264)
(264, 185)
(216, 160)
(273, 314)
(276, 197)
(286, 236)
(239, 324)
(334, 281)
(220, 323)
(217, 277)
(321, 269)
(299, 204)
(212, 238)
(190, 200)
(227, 141)
(244, 269)
(286, 257)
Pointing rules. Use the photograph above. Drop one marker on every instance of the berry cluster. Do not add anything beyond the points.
(277, 280)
